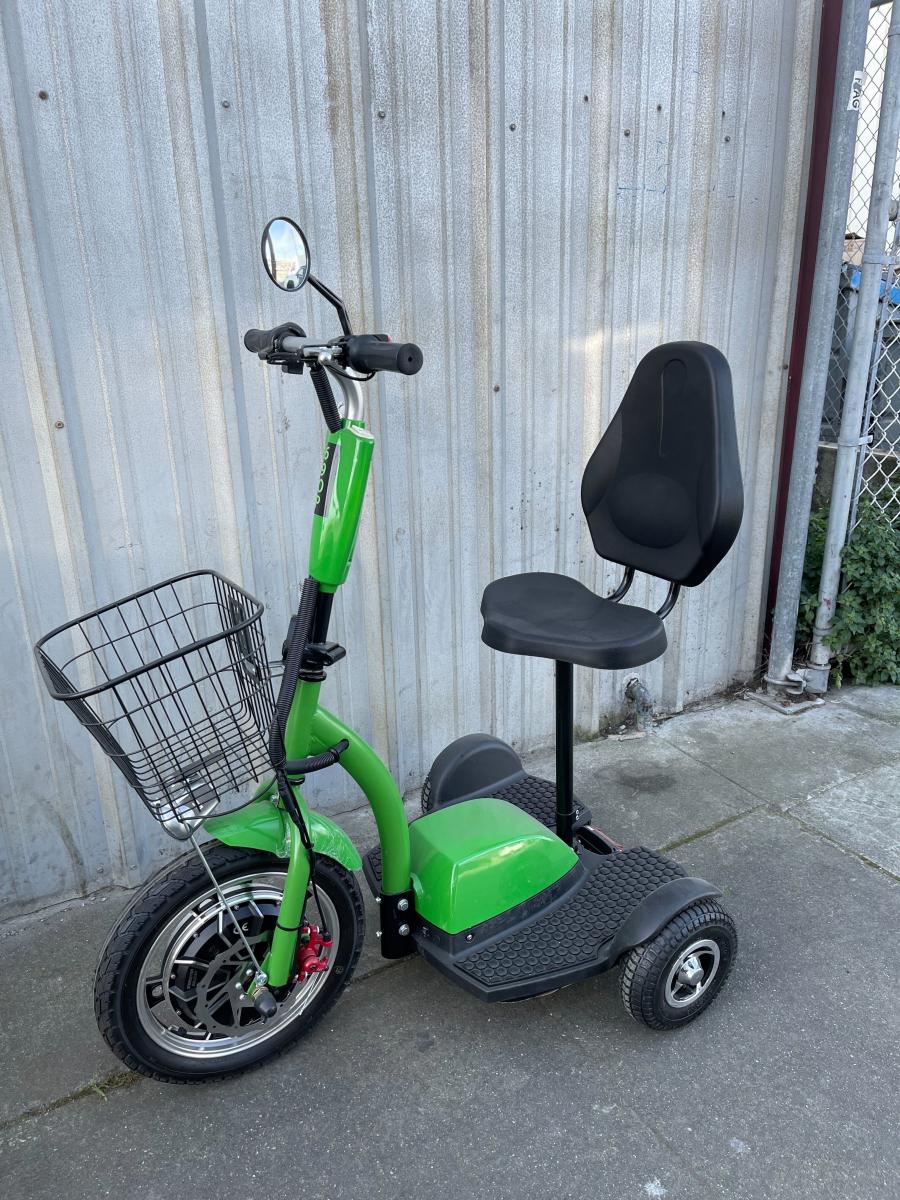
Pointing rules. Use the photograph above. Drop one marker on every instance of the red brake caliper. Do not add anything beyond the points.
(311, 946)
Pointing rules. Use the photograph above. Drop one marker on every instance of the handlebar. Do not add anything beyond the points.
(365, 353)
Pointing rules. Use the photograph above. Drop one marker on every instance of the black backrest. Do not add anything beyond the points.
(662, 492)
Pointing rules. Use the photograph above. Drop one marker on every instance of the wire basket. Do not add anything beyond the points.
(174, 684)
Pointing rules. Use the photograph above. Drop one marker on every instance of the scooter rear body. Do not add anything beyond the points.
(507, 910)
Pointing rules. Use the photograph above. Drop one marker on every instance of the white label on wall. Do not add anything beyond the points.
(859, 78)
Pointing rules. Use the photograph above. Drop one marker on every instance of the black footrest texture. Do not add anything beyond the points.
(573, 934)
(533, 795)
(537, 797)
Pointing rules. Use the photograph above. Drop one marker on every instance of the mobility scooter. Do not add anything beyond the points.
(232, 952)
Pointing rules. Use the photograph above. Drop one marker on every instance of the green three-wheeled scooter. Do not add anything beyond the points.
(231, 953)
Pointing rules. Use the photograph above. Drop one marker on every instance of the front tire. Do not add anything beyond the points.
(671, 979)
(168, 995)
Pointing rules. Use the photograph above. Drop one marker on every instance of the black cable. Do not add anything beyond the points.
(354, 375)
(316, 762)
(327, 402)
(299, 637)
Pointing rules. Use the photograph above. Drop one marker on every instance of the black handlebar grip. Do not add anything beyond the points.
(266, 341)
(258, 341)
(367, 352)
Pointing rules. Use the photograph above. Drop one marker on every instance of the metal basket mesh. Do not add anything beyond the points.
(174, 684)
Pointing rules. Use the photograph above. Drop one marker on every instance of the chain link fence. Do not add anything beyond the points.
(878, 468)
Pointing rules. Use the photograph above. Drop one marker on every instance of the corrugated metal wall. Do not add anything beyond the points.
(537, 193)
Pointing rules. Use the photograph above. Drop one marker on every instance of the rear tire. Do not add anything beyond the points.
(427, 805)
(167, 995)
(671, 979)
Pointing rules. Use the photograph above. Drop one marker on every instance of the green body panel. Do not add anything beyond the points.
(474, 860)
(339, 501)
(259, 825)
(262, 825)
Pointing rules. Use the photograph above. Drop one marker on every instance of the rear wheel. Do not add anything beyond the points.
(170, 993)
(671, 979)
(427, 804)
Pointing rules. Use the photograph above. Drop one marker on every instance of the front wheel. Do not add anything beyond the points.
(672, 978)
(169, 992)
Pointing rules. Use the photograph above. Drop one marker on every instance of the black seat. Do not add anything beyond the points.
(552, 616)
(661, 493)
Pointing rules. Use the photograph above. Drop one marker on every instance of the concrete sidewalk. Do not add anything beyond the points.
(787, 1087)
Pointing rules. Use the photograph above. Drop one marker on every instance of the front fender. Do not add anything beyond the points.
(262, 825)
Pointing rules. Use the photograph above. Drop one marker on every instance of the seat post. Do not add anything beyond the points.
(565, 752)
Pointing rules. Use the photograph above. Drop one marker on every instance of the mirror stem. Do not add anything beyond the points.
(336, 301)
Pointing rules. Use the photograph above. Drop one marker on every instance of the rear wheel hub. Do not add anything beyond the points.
(692, 972)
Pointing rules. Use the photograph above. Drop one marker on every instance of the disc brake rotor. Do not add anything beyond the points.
(207, 985)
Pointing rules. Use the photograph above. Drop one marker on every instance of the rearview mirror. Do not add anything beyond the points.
(285, 254)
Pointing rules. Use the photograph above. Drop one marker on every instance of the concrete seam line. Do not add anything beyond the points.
(114, 1081)
(721, 774)
(823, 791)
(858, 855)
(714, 828)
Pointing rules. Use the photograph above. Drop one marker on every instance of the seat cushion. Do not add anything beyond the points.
(552, 616)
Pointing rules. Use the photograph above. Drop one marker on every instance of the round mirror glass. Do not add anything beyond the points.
(285, 254)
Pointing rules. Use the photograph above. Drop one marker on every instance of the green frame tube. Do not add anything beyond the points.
(363, 765)
(339, 502)
(315, 728)
(279, 961)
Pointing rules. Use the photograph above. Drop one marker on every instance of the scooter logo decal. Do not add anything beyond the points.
(323, 495)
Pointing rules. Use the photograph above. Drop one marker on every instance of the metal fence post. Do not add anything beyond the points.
(874, 260)
(829, 252)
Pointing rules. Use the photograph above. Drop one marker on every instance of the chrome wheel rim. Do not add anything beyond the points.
(191, 997)
(694, 969)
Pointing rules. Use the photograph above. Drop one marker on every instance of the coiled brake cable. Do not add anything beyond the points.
(297, 641)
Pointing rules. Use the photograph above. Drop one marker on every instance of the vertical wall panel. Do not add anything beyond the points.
(537, 193)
